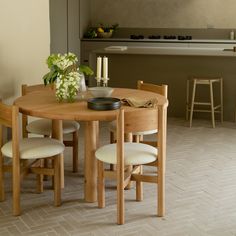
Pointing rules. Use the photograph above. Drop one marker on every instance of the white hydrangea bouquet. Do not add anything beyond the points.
(66, 75)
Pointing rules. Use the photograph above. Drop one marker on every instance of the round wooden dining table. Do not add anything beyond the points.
(43, 104)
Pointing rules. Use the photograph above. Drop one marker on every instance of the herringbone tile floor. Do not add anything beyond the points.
(200, 193)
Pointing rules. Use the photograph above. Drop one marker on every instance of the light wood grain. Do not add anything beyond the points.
(15, 162)
(27, 89)
(21, 168)
(120, 168)
(126, 122)
(159, 89)
(44, 104)
(91, 144)
(57, 134)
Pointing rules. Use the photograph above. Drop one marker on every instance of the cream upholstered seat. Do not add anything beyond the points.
(20, 151)
(43, 126)
(134, 154)
(126, 154)
(32, 148)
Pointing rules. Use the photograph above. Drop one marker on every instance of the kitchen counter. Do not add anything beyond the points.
(180, 51)
(146, 40)
(195, 47)
(167, 62)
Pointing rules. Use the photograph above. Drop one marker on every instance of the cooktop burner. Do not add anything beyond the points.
(133, 36)
(169, 37)
(154, 36)
(187, 37)
(179, 37)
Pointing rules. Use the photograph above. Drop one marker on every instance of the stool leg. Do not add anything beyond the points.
(192, 104)
(235, 115)
(187, 99)
(212, 106)
(221, 101)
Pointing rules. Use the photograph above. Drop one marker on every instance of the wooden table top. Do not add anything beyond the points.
(44, 104)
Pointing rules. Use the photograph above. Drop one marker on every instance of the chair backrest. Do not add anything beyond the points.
(160, 89)
(5, 115)
(142, 119)
(139, 120)
(25, 89)
(145, 119)
(9, 117)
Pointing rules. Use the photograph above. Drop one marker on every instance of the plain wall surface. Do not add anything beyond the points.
(165, 13)
(24, 44)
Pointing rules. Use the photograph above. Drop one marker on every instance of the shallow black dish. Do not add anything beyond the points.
(104, 103)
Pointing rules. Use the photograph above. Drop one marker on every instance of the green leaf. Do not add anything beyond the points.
(86, 70)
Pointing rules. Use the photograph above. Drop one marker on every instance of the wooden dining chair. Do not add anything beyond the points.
(35, 150)
(137, 137)
(125, 154)
(43, 126)
(159, 89)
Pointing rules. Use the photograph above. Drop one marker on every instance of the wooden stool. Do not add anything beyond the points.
(214, 109)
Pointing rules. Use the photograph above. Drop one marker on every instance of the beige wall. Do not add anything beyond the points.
(24, 44)
(165, 13)
(84, 16)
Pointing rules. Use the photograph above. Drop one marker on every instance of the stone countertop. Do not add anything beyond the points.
(180, 51)
(146, 40)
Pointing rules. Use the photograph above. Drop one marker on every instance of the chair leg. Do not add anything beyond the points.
(57, 182)
(235, 115)
(129, 138)
(112, 137)
(139, 188)
(53, 176)
(136, 138)
(120, 195)
(46, 165)
(112, 167)
(39, 187)
(2, 191)
(112, 140)
(46, 162)
(140, 138)
(75, 151)
(192, 104)
(101, 185)
(221, 101)
(16, 186)
(187, 100)
(212, 105)
(161, 193)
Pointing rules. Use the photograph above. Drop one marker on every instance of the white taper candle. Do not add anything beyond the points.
(105, 67)
(99, 67)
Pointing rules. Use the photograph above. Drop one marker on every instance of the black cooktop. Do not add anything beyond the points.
(169, 37)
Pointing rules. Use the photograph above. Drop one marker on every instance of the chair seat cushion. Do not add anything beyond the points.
(33, 148)
(112, 128)
(44, 127)
(134, 153)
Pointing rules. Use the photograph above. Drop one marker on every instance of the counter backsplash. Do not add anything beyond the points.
(195, 33)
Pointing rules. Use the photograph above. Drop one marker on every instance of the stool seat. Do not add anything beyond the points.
(205, 80)
(213, 109)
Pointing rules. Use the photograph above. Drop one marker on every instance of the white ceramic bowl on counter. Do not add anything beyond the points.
(100, 91)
